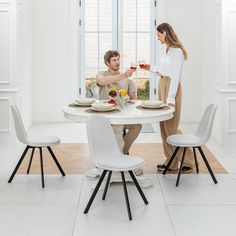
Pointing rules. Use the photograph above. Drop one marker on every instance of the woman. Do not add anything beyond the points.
(170, 91)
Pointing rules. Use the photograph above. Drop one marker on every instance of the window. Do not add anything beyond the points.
(125, 25)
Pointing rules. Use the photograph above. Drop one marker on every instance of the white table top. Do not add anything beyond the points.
(128, 115)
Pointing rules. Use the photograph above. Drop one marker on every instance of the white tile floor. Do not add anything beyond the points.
(197, 207)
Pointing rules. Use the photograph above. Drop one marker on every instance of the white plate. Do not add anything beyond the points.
(99, 105)
(154, 107)
(85, 101)
(103, 108)
(152, 103)
(131, 101)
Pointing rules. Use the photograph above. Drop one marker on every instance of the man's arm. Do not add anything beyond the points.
(104, 80)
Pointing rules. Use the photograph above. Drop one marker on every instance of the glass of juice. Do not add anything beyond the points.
(141, 64)
(133, 66)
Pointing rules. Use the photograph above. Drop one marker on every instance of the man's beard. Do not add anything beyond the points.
(115, 69)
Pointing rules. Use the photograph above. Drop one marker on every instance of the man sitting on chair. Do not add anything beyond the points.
(113, 78)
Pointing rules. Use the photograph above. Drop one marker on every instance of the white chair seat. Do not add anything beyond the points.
(42, 141)
(184, 140)
(120, 163)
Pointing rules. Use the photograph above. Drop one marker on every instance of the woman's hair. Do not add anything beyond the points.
(171, 38)
(109, 54)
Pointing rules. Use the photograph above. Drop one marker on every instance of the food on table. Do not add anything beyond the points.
(123, 92)
(112, 101)
(113, 92)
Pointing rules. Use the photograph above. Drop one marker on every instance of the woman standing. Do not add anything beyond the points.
(170, 91)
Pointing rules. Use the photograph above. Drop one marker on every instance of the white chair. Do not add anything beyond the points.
(196, 140)
(106, 155)
(32, 142)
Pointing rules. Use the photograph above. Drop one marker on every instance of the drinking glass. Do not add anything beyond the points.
(133, 66)
(141, 64)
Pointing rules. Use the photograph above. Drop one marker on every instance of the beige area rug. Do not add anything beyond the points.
(74, 159)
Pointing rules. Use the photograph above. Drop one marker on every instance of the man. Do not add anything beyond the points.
(113, 78)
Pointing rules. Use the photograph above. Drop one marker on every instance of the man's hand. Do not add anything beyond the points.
(128, 73)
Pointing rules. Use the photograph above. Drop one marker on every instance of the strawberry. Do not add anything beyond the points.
(112, 101)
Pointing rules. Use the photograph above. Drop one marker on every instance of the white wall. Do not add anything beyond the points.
(208, 50)
(218, 67)
(27, 61)
(52, 62)
(185, 17)
(210, 72)
(16, 70)
(226, 81)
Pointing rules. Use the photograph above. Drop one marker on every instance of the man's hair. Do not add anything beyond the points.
(109, 54)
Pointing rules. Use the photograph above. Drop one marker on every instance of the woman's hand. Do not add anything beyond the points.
(147, 66)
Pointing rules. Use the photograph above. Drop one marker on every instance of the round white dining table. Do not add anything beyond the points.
(130, 114)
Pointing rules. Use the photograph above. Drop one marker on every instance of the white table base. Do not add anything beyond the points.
(143, 181)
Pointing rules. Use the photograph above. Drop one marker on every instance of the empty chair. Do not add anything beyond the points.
(106, 155)
(32, 142)
(196, 140)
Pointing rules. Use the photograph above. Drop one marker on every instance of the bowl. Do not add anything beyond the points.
(85, 101)
(152, 103)
(102, 106)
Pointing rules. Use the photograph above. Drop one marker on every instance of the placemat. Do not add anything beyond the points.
(102, 112)
(77, 105)
(147, 108)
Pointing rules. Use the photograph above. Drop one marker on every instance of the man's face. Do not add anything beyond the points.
(114, 63)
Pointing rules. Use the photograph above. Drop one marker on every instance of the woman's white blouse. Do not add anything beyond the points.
(171, 65)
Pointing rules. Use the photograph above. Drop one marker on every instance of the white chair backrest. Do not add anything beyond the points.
(101, 138)
(19, 126)
(206, 123)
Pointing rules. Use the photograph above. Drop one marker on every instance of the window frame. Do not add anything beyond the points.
(117, 40)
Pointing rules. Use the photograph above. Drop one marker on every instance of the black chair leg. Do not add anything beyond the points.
(107, 185)
(126, 195)
(180, 169)
(56, 161)
(207, 165)
(195, 158)
(95, 192)
(41, 164)
(171, 160)
(31, 158)
(138, 187)
(18, 164)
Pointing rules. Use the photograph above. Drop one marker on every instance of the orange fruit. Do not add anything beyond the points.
(123, 92)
